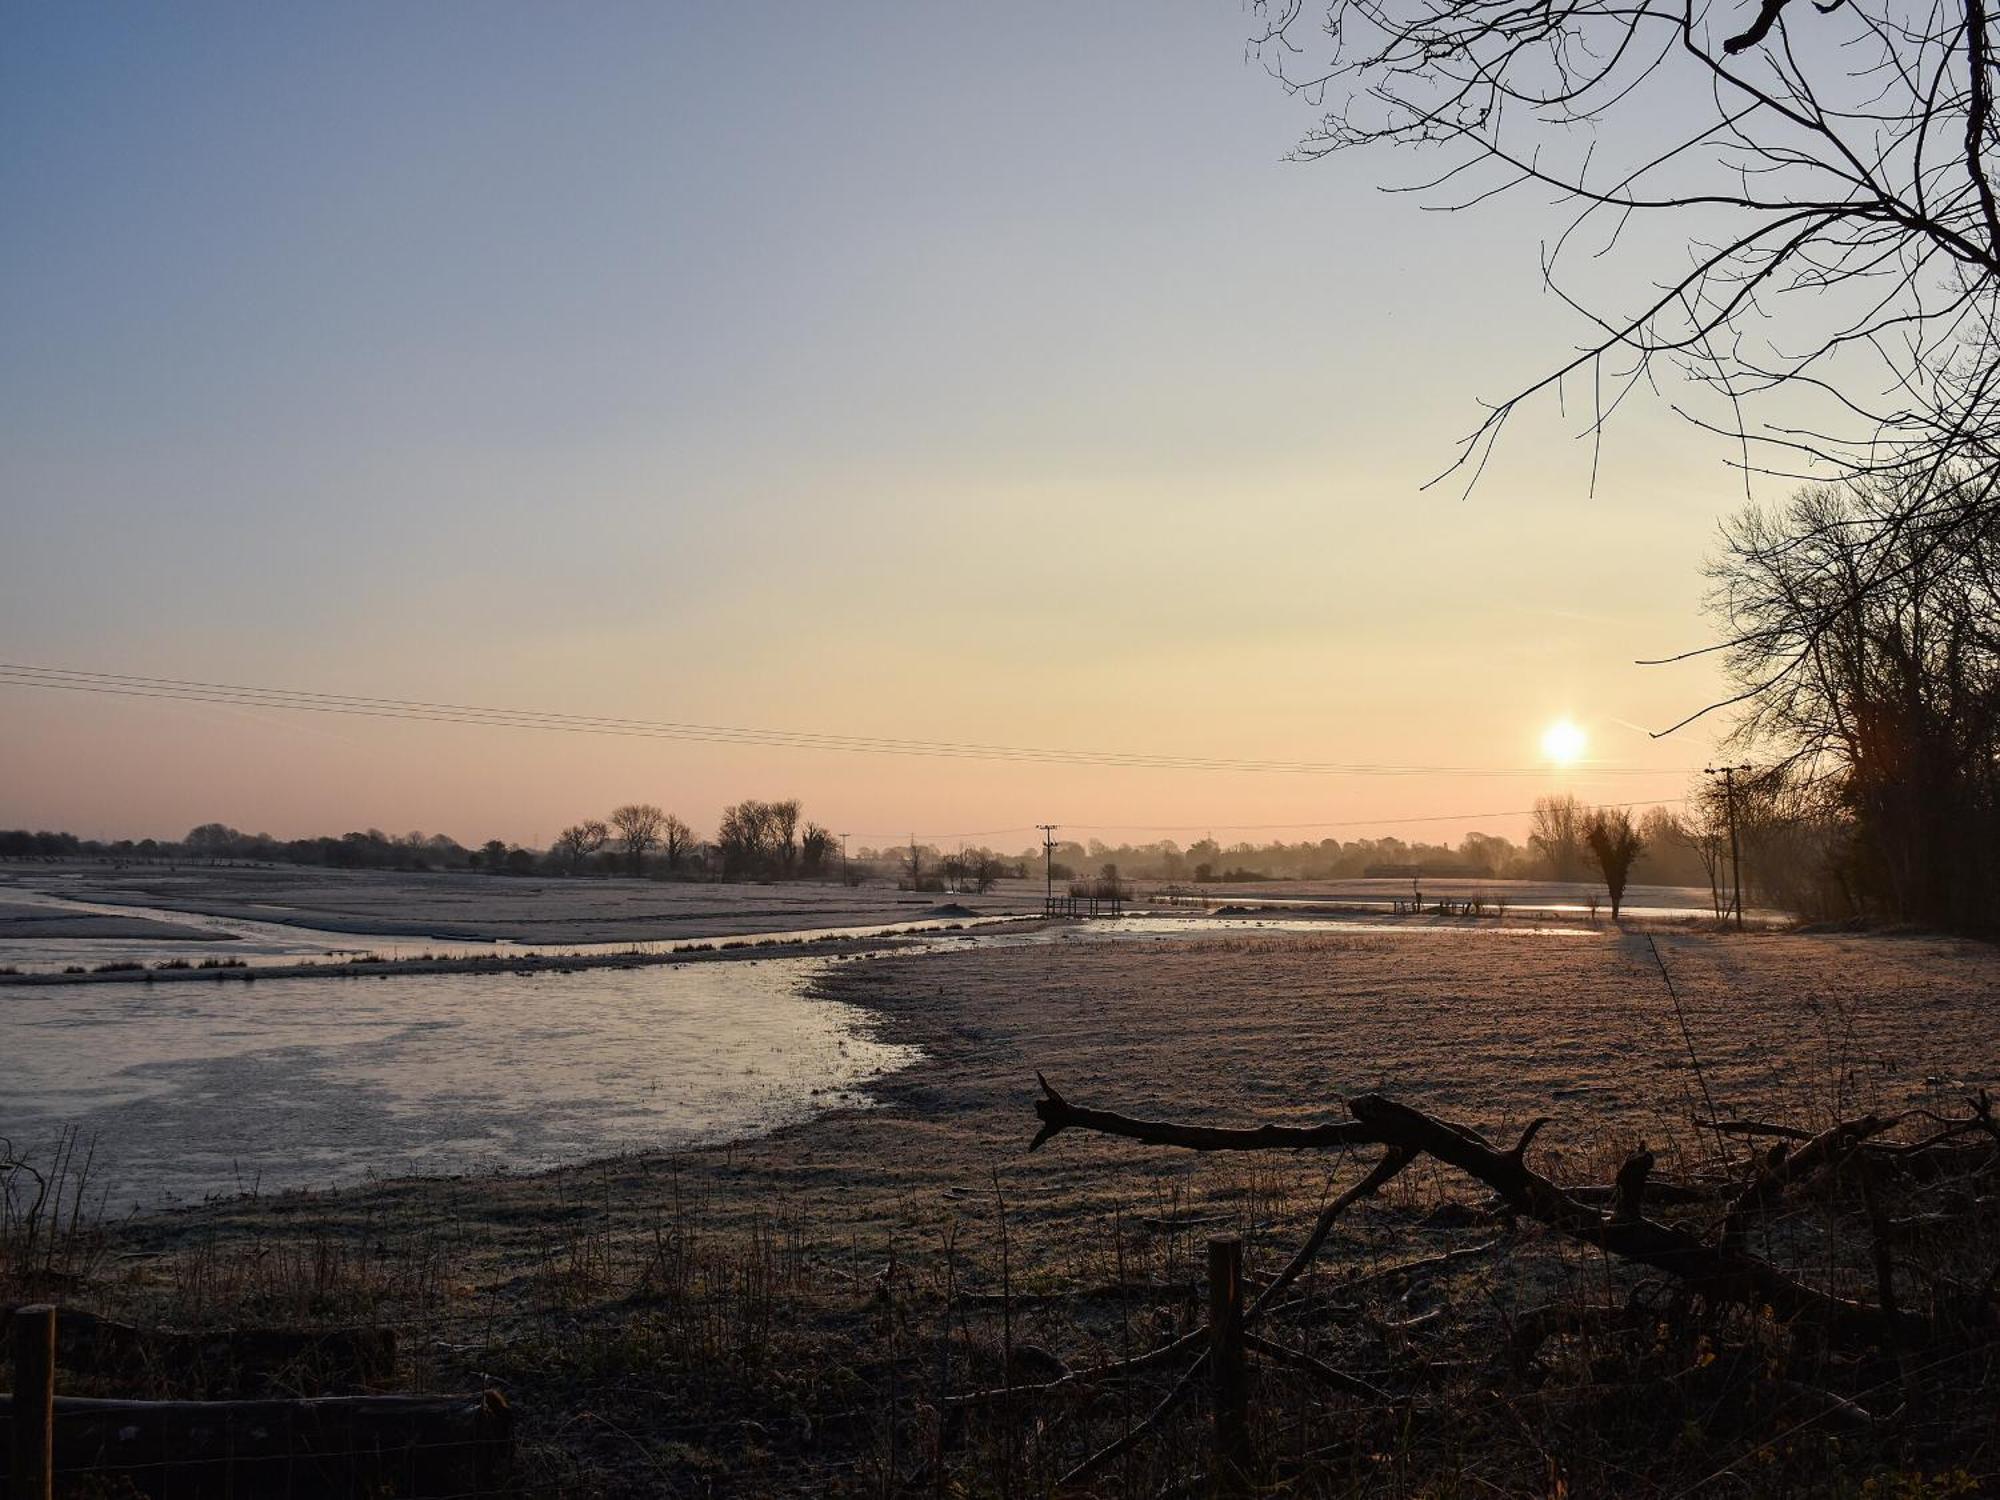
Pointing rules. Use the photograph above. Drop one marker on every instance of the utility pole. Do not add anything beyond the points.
(1048, 866)
(843, 859)
(1728, 775)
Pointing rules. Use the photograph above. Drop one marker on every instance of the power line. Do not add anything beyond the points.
(129, 685)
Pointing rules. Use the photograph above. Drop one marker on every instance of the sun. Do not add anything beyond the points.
(1564, 743)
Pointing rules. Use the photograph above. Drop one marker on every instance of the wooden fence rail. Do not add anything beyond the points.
(411, 1446)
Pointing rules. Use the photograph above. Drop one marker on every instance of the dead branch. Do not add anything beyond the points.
(1722, 1272)
(1319, 1369)
(1782, 1168)
(1367, 1187)
(1057, 1115)
(1116, 1369)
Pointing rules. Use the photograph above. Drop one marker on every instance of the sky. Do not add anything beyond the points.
(970, 374)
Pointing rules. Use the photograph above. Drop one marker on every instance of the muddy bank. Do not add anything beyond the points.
(20, 920)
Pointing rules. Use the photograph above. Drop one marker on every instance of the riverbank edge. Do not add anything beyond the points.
(696, 951)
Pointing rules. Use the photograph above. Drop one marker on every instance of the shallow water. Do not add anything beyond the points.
(257, 944)
(195, 1089)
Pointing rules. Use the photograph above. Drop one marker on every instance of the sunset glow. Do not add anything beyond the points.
(1564, 743)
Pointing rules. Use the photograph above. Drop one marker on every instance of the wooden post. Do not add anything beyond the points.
(1229, 1366)
(34, 1405)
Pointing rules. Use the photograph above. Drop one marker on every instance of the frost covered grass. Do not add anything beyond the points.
(806, 1313)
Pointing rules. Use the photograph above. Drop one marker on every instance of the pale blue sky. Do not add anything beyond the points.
(954, 372)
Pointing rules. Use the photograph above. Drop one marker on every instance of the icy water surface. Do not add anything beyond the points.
(255, 944)
(195, 1089)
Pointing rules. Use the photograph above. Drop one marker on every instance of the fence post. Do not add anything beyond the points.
(1229, 1366)
(34, 1424)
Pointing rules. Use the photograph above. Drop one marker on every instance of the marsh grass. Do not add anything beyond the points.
(52, 1233)
(649, 1350)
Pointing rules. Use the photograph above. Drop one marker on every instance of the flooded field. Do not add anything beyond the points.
(196, 1089)
(193, 1090)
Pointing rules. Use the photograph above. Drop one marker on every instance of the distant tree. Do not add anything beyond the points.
(749, 838)
(1614, 843)
(493, 856)
(817, 848)
(579, 841)
(520, 861)
(983, 868)
(1556, 834)
(211, 841)
(676, 841)
(784, 824)
(1487, 852)
(640, 826)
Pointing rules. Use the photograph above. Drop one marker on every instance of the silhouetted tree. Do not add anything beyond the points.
(1871, 668)
(783, 823)
(1556, 832)
(1792, 205)
(817, 849)
(576, 843)
(211, 841)
(639, 825)
(676, 841)
(1703, 830)
(1614, 844)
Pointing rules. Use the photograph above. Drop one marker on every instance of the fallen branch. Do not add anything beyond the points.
(1114, 1370)
(1723, 1272)
(1058, 1115)
(1319, 1369)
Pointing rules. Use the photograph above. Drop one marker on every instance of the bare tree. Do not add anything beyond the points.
(1881, 701)
(817, 846)
(784, 826)
(1789, 206)
(579, 841)
(676, 841)
(983, 868)
(640, 826)
(1704, 832)
(1556, 833)
(1614, 844)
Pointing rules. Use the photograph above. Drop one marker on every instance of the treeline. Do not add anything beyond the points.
(212, 842)
(1665, 860)
(1861, 632)
(754, 840)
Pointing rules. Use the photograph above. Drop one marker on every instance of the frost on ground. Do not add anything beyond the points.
(806, 1313)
